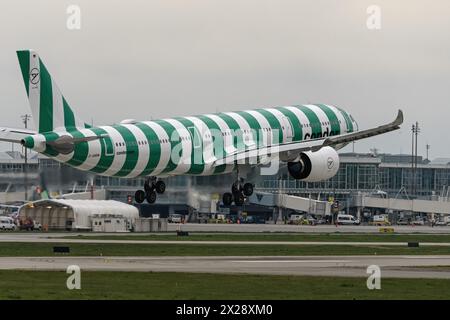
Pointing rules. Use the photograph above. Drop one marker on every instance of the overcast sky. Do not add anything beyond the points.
(163, 58)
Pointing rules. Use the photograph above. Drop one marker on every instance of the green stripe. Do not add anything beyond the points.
(348, 121)
(253, 124)
(132, 151)
(238, 141)
(194, 168)
(24, 61)
(69, 117)
(274, 124)
(50, 151)
(169, 130)
(105, 160)
(335, 127)
(155, 148)
(297, 126)
(212, 125)
(314, 121)
(80, 151)
(46, 100)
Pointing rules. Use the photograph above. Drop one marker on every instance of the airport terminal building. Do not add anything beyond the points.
(367, 173)
(359, 173)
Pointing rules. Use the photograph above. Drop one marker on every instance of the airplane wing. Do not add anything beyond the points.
(14, 135)
(353, 136)
(290, 151)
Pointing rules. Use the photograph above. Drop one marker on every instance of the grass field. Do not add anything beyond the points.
(112, 249)
(276, 237)
(133, 285)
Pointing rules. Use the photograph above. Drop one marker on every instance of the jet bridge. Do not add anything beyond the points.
(287, 201)
(415, 205)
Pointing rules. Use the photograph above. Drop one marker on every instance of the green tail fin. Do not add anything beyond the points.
(49, 107)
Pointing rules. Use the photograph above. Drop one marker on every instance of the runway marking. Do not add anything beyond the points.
(295, 261)
(425, 257)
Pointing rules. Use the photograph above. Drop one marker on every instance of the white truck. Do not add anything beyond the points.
(444, 221)
(347, 219)
(7, 223)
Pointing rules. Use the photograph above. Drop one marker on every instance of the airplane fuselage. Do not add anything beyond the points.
(189, 145)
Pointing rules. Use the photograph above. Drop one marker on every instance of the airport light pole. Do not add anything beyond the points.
(415, 131)
(25, 119)
(415, 165)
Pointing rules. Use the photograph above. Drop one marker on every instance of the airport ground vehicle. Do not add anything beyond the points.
(347, 219)
(310, 220)
(254, 219)
(26, 224)
(295, 218)
(402, 222)
(37, 226)
(7, 223)
(29, 225)
(380, 220)
(302, 219)
(443, 221)
(418, 222)
(321, 221)
(174, 218)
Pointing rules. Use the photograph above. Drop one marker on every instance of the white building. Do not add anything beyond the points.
(62, 214)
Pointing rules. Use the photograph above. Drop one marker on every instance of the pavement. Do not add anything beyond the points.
(348, 266)
(223, 227)
(38, 237)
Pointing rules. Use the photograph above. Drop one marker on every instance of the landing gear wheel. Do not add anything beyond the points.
(160, 186)
(151, 197)
(148, 187)
(238, 198)
(227, 199)
(139, 196)
(235, 187)
(248, 189)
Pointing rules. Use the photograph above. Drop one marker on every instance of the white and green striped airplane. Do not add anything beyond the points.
(303, 137)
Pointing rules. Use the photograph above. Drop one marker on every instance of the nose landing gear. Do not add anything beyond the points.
(151, 188)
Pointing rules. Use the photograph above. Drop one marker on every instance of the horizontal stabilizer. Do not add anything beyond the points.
(65, 144)
(14, 135)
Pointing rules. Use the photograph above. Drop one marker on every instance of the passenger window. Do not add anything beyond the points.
(195, 137)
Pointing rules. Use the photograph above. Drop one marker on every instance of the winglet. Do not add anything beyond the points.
(399, 120)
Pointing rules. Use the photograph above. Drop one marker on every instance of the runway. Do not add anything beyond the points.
(342, 266)
(60, 238)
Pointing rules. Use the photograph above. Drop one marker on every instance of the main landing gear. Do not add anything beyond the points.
(238, 193)
(151, 188)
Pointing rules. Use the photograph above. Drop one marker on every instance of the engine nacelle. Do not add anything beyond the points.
(315, 166)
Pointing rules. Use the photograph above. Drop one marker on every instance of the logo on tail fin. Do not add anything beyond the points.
(34, 76)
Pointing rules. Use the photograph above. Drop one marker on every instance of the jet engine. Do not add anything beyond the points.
(315, 166)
